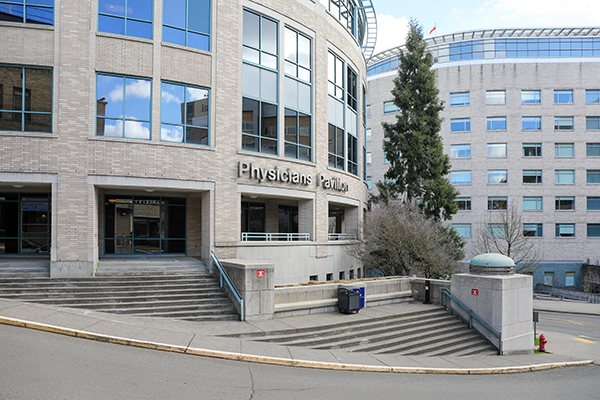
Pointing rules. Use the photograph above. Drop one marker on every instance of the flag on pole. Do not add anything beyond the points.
(431, 31)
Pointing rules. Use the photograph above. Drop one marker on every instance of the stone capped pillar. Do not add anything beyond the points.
(501, 297)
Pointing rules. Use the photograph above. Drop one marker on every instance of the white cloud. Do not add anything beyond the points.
(391, 32)
(194, 94)
(116, 94)
(171, 133)
(139, 88)
(542, 13)
(169, 97)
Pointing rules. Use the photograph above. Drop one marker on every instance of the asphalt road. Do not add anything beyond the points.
(40, 365)
(580, 326)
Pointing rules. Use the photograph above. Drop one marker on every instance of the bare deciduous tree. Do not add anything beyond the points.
(591, 278)
(503, 232)
(400, 239)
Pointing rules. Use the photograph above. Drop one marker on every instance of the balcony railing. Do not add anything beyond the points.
(275, 237)
(342, 236)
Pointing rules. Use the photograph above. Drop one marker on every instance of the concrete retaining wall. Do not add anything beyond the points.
(435, 286)
(320, 298)
(568, 294)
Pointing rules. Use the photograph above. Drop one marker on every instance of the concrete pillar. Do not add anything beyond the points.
(255, 282)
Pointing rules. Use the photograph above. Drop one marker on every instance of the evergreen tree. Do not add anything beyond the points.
(418, 165)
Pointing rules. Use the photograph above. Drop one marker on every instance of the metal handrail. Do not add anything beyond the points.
(223, 274)
(269, 237)
(341, 236)
(472, 315)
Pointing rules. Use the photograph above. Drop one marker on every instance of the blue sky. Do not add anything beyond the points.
(461, 15)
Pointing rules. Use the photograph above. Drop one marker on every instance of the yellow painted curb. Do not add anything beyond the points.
(281, 361)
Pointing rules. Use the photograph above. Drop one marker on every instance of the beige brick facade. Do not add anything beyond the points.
(80, 169)
(513, 76)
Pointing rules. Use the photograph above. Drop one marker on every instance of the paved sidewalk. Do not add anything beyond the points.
(203, 338)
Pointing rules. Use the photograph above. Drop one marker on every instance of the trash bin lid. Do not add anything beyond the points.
(348, 287)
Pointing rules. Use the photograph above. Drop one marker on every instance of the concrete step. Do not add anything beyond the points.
(355, 335)
(427, 332)
(180, 288)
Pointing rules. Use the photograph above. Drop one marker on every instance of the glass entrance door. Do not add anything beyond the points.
(144, 225)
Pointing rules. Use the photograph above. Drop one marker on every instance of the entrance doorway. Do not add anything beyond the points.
(24, 223)
(144, 225)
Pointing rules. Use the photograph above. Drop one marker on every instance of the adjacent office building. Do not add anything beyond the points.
(140, 127)
(521, 125)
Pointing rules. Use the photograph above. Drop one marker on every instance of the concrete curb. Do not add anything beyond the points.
(282, 361)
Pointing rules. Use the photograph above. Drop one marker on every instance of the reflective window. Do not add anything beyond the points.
(460, 125)
(563, 96)
(368, 135)
(126, 17)
(460, 177)
(463, 230)
(532, 176)
(343, 119)
(497, 230)
(592, 149)
(390, 107)
(536, 230)
(460, 99)
(298, 95)
(336, 147)
(565, 230)
(187, 23)
(564, 176)
(496, 150)
(123, 106)
(260, 84)
(460, 151)
(496, 123)
(593, 203)
(563, 123)
(497, 203)
(495, 97)
(593, 230)
(592, 96)
(28, 11)
(593, 175)
(369, 182)
(531, 96)
(532, 203)
(532, 149)
(352, 121)
(184, 114)
(592, 123)
(564, 149)
(25, 99)
(497, 176)
(463, 203)
(368, 111)
(531, 123)
(564, 203)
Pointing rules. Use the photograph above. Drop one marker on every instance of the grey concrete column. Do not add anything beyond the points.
(255, 282)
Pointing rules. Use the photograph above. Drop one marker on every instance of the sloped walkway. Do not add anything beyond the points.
(208, 339)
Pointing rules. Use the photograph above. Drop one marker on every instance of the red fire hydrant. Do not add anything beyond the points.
(543, 342)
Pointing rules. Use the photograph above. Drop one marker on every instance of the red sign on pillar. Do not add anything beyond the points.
(260, 273)
(475, 292)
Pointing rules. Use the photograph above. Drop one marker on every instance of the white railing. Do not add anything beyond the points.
(342, 236)
(271, 237)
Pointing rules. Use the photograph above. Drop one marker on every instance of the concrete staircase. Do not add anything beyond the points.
(430, 332)
(178, 287)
